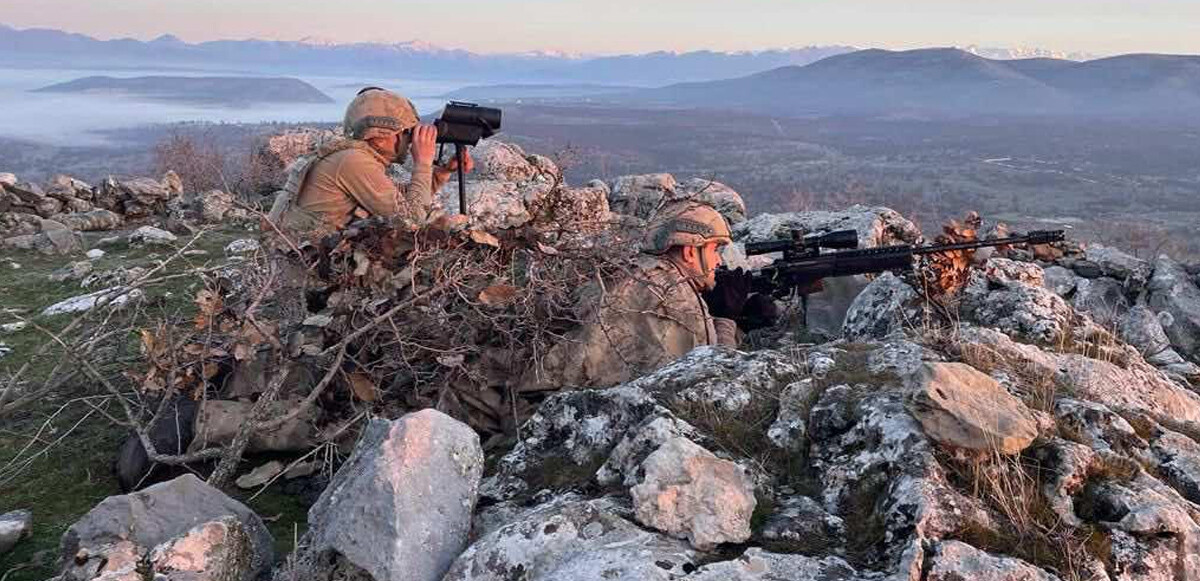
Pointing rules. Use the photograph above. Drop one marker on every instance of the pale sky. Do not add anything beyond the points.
(628, 26)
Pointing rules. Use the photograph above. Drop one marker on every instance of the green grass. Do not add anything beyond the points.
(75, 474)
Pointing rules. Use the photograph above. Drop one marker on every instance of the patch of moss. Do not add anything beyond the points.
(865, 526)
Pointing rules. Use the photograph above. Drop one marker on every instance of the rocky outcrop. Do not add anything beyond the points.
(1173, 292)
(570, 538)
(400, 508)
(180, 526)
(876, 226)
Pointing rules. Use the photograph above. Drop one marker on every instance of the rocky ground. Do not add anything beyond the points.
(1041, 423)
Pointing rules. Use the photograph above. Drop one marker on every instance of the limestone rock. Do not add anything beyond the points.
(219, 421)
(1116, 264)
(73, 271)
(721, 379)
(1027, 312)
(151, 235)
(1103, 299)
(624, 464)
(217, 206)
(112, 297)
(1004, 270)
(876, 226)
(789, 431)
(641, 196)
(962, 407)
(1099, 427)
(568, 439)
(759, 565)
(122, 530)
(29, 193)
(410, 486)
(1178, 459)
(887, 305)
(803, 525)
(260, 476)
(95, 254)
(955, 561)
(242, 246)
(1173, 292)
(716, 194)
(14, 526)
(219, 550)
(1134, 386)
(573, 539)
(1142, 328)
(689, 492)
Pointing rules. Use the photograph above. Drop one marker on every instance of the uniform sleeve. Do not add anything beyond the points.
(727, 332)
(368, 183)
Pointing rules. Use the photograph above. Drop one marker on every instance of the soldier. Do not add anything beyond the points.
(670, 305)
(347, 179)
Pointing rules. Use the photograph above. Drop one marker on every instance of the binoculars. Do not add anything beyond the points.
(466, 123)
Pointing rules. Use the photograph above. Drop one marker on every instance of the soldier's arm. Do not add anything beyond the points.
(367, 182)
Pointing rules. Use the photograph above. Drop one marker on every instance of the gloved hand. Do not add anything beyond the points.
(760, 312)
(727, 299)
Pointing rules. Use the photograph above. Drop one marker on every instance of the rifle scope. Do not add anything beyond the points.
(840, 239)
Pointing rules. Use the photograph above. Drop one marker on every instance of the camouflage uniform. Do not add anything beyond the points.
(347, 179)
(645, 321)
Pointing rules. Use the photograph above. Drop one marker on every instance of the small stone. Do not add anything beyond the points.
(1088, 269)
(260, 476)
(242, 246)
(74, 271)
(108, 241)
(13, 327)
(113, 297)
(960, 406)
(195, 252)
(689, 493)
(151, 235)
(301, 470)
(95, 253)
(4, 350)
(14, 265)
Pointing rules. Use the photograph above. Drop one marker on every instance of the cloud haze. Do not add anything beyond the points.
(622, 26)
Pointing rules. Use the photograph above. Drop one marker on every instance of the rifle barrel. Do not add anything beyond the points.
(1038, 237)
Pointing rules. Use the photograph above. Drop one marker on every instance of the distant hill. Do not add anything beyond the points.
(952, 82)
(203, 90)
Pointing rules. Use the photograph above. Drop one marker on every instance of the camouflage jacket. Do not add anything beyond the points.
(642, 323)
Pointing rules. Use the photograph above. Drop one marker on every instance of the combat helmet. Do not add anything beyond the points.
(686, 224)
(376, 111)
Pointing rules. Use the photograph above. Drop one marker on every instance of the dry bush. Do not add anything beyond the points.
(1025, 525)
(196, 157)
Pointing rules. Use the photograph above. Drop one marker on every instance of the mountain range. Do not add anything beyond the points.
(45, 48)
(952, 82)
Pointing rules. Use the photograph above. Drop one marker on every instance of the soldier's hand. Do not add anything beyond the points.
(424, 144)
(760, 311)
(727, 299)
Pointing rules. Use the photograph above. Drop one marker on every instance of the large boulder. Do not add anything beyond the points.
(688, 492)
(14, 526)
(1103, 299)
(759, 565)
(1113, 263)
(180, 525)
(568, 538)
(400, 508)
(1172, 291)
(961, 407)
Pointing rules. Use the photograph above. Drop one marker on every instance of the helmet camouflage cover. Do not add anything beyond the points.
(688, 224)
(377, 112)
